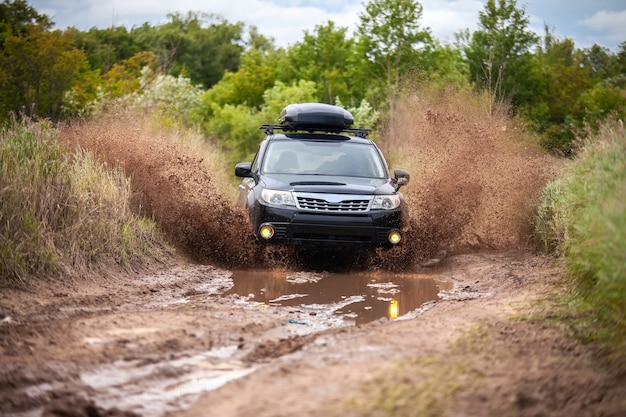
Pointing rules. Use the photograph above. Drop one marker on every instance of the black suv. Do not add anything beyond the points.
(321, 183)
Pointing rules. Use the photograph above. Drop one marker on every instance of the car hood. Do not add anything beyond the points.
(328, 184)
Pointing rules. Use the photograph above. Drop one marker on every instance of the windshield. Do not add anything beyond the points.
(338, 158)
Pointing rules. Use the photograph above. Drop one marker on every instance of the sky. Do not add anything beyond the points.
(587, 22)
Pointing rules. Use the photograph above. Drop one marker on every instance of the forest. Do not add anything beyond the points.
(225, 78)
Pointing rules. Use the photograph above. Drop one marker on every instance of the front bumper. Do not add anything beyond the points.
(293, 227)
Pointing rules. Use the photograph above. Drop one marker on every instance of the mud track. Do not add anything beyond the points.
(170, 343)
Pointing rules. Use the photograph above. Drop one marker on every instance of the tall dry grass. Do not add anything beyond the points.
(61, 214)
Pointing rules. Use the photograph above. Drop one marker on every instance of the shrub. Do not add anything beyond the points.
(32, 189)
(583, 216)
(60, 214)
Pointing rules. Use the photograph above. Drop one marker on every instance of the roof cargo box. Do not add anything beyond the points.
(315, 116)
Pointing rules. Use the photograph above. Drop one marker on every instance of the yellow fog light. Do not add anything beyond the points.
(394, 237)
(266, 231)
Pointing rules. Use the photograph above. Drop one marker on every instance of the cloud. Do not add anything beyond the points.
(606, 21)
(609, 23)
(445, 18)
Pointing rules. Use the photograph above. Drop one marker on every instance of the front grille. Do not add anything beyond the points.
(347, 206)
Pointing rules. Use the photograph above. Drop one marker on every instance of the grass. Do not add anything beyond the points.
(63, 214)
(419, 387)
(582, 217)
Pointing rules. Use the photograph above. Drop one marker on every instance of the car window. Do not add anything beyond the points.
(337, 158)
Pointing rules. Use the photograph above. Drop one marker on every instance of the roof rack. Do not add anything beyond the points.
(269, 130)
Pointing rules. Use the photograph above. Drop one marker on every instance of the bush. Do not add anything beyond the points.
(60, 214)
(583, 216)
(32, 189)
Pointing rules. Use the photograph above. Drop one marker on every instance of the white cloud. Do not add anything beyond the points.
(610, 24)
(445, 18)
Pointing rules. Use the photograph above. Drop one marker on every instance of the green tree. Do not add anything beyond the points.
(559, 79)
(621, 58)
(256, 73)
(601, 62)
(498, 53)
(199, 45)
(38, 68)
(325, 57)
(446, 63)
(17, 18)
(281, 94)
(107, 47)
(570, 89)
(391, 43)
(126, 77)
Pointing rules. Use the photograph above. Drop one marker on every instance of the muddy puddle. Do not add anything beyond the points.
(350, 298)
(313, 301)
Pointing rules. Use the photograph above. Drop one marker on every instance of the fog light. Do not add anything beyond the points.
(266, 231)
(394, 237)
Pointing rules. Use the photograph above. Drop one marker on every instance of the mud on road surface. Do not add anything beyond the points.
(180, 342)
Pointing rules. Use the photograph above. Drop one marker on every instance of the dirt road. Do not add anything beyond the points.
(184, 338)
(172, 343)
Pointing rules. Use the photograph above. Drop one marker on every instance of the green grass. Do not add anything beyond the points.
(63, 214)
(583, 218)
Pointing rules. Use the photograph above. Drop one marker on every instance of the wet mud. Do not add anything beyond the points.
(184, 341)
(345, 298)
(155, 344)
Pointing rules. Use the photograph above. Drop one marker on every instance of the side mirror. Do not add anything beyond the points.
(401, 178)
(244, 169)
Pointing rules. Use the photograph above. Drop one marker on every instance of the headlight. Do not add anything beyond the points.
(386, 202)
(278, 198)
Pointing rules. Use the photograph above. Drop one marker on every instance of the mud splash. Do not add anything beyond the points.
(475, 182)
(476, 175)
(174, 185)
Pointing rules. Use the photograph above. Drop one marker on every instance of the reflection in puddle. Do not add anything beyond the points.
(358, 297)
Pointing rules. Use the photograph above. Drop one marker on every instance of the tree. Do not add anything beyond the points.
(324, 57)
(107, 47)
(601, 62)
(621, 58)
(17, 18)
(38, 68)
(499, 51)
(553, 90)
(390, 40)
(126, 77)
(201, 46)
(256, 73)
